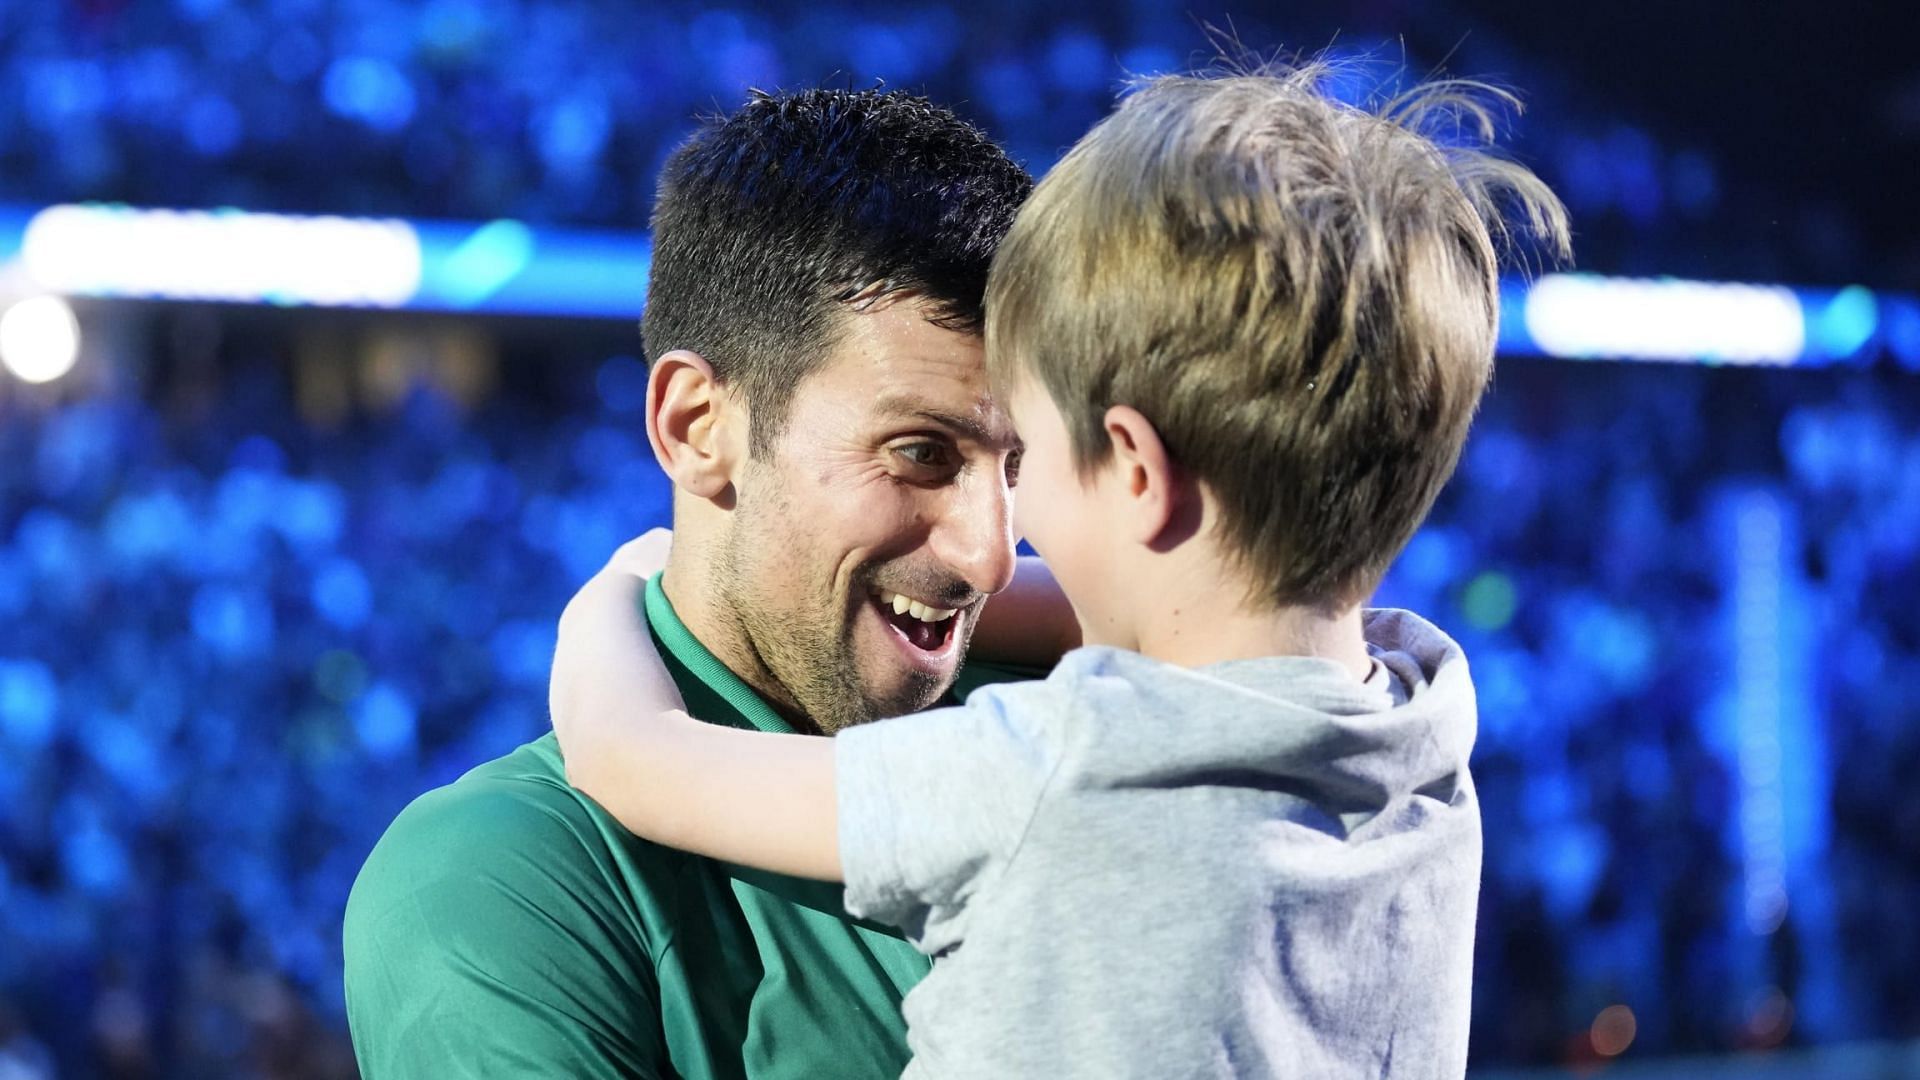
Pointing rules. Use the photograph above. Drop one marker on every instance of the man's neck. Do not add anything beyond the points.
(689, 589)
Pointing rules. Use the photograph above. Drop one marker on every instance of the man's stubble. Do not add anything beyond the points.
(805, 649)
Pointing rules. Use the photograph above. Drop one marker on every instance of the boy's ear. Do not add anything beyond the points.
(1158, 500)
(697, 428)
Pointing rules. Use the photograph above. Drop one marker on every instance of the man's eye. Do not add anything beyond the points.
(926, 455)
(1013, 467)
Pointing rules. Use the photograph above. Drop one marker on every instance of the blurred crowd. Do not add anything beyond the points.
(231, 648)
(1687, 595)
(234, 643)
(562, 112)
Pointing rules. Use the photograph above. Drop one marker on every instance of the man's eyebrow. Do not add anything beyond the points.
(962, 425)
(965, 425)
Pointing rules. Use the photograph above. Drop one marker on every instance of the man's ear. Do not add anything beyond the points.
(1159, 505)
(697, 428)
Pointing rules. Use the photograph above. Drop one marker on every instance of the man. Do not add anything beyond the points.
(818, 399)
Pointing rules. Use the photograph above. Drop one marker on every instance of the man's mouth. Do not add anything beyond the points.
(924, 626)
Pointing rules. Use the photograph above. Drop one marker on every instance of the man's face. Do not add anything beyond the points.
(863, 547)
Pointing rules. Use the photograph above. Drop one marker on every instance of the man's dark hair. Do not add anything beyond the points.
(770, 218)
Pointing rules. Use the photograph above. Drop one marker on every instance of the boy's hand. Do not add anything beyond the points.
(607, 675)
(643, 556)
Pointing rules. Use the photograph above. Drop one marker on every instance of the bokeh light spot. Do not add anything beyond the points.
(1490, 601)
(28, 697)
(1613, 1031)
(342, 594)
(39, 339)
(384, 722)
(340, 676)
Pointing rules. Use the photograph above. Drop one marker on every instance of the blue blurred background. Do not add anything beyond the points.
(267, 571)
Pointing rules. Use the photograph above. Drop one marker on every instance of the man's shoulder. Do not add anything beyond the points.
(523, 794)
(512, 825)
(507, 878)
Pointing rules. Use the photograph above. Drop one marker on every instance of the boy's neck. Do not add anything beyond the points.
(1191, 638)
(1200, 614)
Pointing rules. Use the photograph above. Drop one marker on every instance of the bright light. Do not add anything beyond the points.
(1576, 315)
(39, 339)
(223, 255)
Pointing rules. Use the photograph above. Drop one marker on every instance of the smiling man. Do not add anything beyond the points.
(841, 480)
(838, 566)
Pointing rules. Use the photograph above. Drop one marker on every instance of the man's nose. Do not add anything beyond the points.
(975, 538)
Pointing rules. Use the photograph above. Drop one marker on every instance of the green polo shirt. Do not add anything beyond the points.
(506, 925)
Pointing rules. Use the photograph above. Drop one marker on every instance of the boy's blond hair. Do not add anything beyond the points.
(1301, 295)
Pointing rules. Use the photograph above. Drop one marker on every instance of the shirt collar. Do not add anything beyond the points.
(675, 638)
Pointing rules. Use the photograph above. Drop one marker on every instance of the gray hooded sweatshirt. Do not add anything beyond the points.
(1260, 868)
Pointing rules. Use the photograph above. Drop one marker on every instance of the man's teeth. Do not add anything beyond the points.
(902, 605)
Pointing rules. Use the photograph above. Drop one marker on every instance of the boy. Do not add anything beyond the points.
(1242, 330)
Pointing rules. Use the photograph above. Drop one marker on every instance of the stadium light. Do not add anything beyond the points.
(1580, 315)
(509, 268)
(39, 339)
(225, 255)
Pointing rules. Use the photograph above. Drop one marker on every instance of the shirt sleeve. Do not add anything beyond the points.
(932, 806)
(481, 939)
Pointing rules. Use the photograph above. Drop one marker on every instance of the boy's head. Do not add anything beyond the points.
(1295, 299)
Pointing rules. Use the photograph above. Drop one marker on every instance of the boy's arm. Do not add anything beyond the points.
(748, 797)
(1029, 622)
